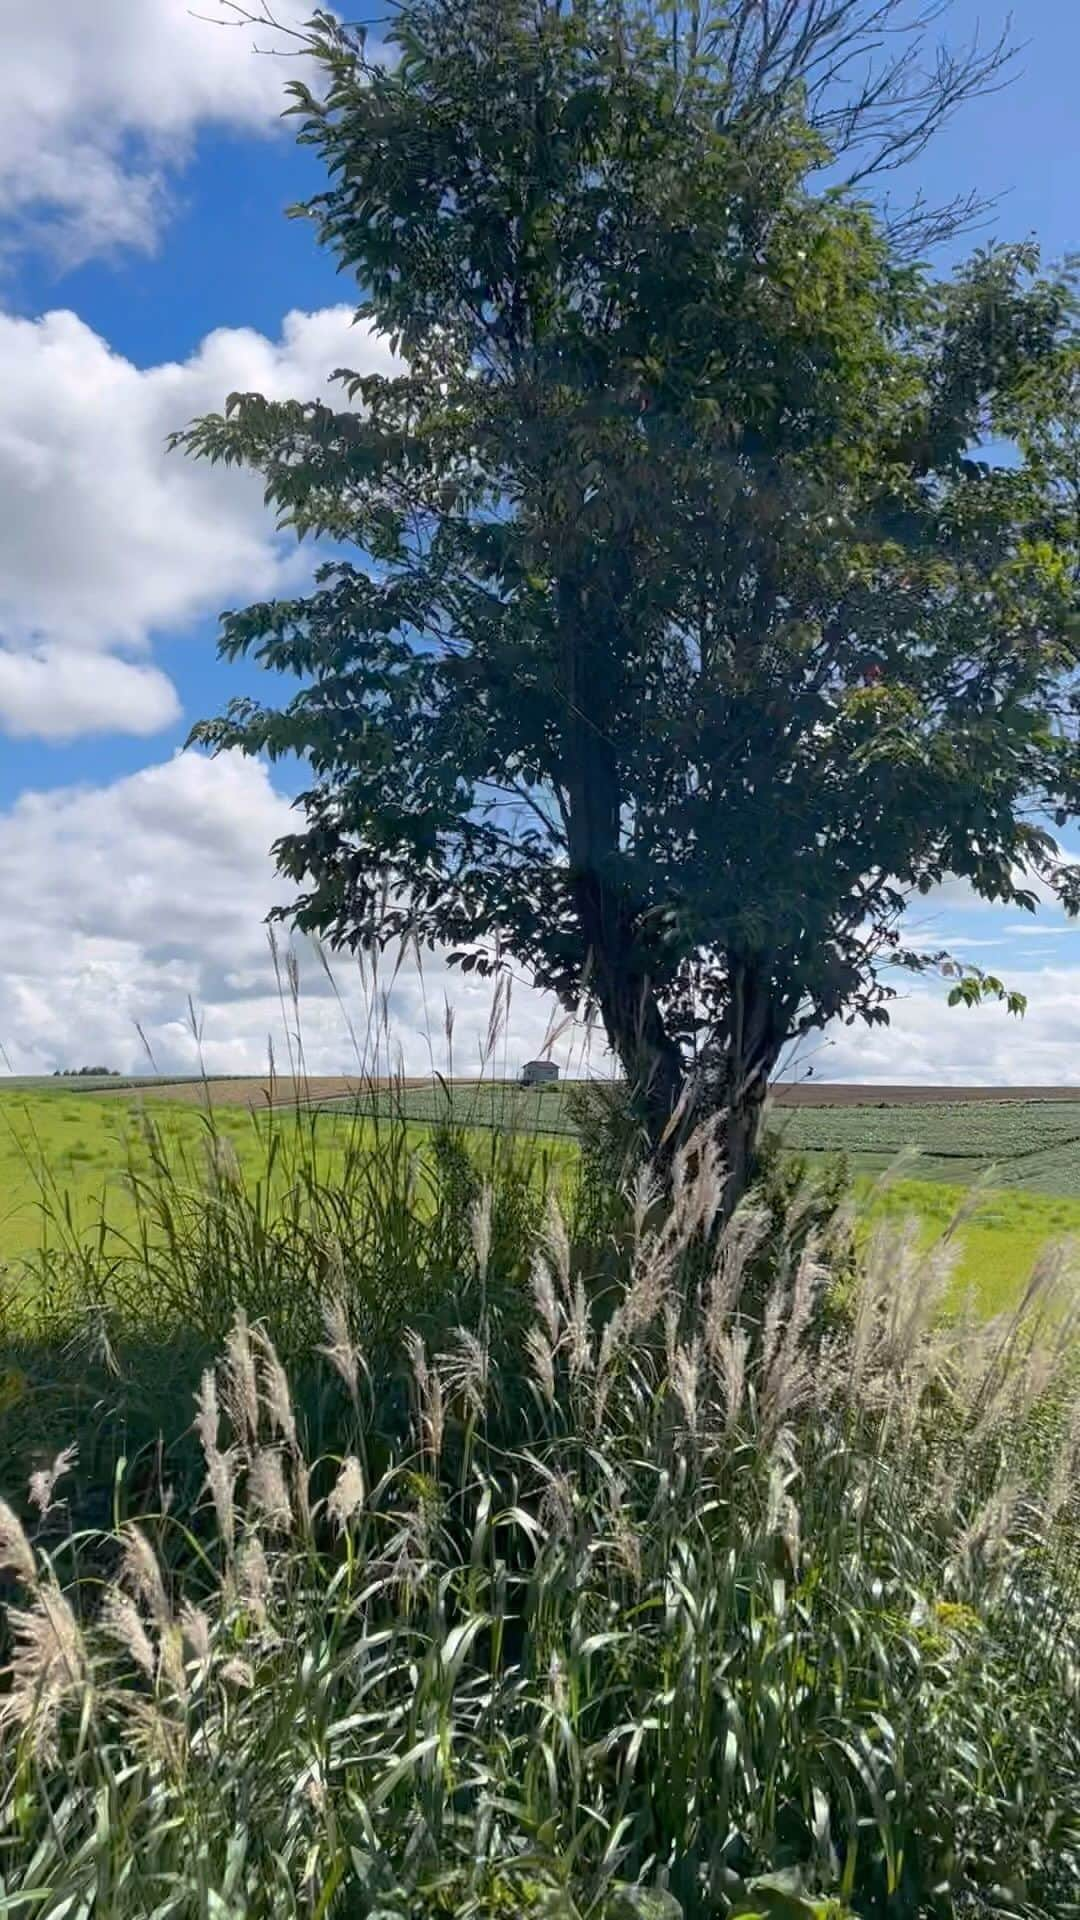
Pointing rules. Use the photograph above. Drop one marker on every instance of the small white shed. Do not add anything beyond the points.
(539, 1073)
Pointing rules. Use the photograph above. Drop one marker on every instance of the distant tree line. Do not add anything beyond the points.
(86, 1073)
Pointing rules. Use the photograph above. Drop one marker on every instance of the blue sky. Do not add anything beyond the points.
(145, 268)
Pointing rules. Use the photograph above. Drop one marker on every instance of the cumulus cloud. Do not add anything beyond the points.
(118, 903)
(931, 1043)
(52, 694)
(106, 539)
(111, 95)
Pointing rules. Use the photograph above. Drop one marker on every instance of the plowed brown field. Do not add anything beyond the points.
(845, 1094)
(258, 1091)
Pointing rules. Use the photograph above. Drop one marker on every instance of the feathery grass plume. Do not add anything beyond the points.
(671, 1335)
(347, 1494)
(122, 1622)
(541, 1361)
(738, 1244)
(496, 1014)
(241, 1382)
(140, 1572)
(612, 1341)
(650, 1281)
(730, 1359)
(645, 1192)
(911, 1302)
(556, 1509)
(253, 1578)
(220, 1465)
(1063, 1492)
(221, 1469)
(43, 1483)
(982, 1545)
(276, 1393)
(480, 1229)
(237, 1674)
(897, 1283)
(339, 1348)
(299, 1476)
(685, 1381)
(267, 1492)
(579, 1355)
(48, 1668)
(782, 1515)
(557, 1242)
(171, 1660)
(16, 1553)
(429, 1396)
(196, 1631)
(207, 1414)
(697, 1185)
(544, 1297)
(786, 1378)
(465, 1371)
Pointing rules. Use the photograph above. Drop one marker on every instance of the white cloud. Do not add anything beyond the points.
(107, 539)
(931, 1043)
(55, 695)
(110, 95)
(119, 902)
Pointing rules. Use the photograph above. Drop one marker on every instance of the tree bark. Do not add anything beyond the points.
(742, 1138)
(632, 1017)
(745, 1054)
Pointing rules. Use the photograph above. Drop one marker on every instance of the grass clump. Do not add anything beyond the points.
(669, 1597)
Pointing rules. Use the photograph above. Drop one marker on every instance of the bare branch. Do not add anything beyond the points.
(869, 77)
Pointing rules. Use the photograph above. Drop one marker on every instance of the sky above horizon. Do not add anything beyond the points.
(146, 270)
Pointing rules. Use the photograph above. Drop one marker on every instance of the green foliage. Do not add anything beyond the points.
(661, 1636)
(678, 632)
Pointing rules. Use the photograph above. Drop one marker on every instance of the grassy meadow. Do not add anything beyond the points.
(535, 1549)
(413, 1522)
(72, 1163)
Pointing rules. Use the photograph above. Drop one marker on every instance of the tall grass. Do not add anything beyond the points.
(676, 1594)
(209, 1214)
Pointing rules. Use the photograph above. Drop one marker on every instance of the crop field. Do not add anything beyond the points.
(68, 1154)
(1027, 1142)
(1030, 1144)
(485, 1103)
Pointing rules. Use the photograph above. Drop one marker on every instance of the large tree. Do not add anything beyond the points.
(674, 630)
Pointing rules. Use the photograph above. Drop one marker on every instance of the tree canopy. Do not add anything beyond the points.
(703, 583)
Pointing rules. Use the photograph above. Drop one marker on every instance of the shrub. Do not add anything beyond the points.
(721, 1620)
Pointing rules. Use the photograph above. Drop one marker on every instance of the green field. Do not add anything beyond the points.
(1033, 1145)
(67, 1157)
(487, 1103)
(1025, 1152)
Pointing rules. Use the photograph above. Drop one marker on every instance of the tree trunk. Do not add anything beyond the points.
(742, 1138)
(633, 1021)
(745, 1053)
